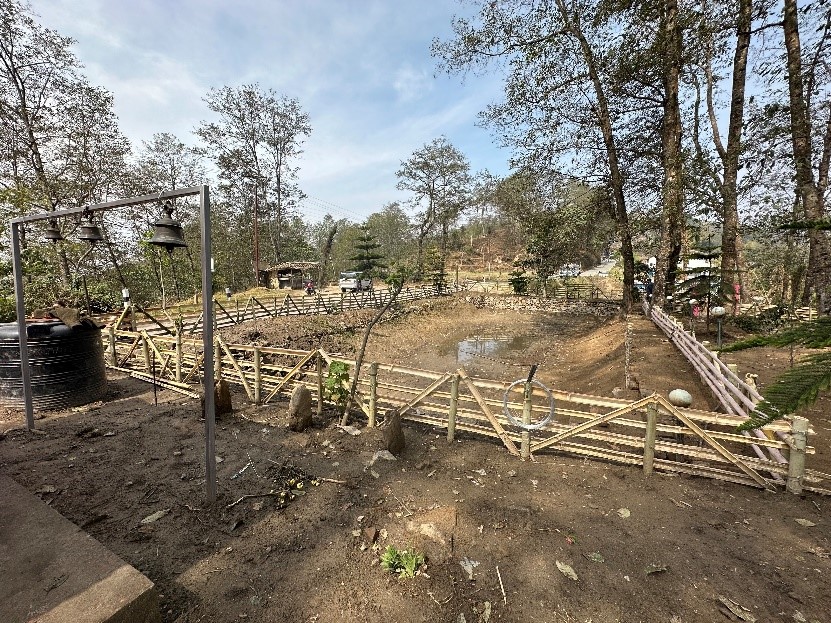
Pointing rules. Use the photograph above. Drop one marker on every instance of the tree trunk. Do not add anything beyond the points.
(672, 215)
(819, 255)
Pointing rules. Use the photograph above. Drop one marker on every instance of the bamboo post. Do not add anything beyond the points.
(236, 307)
(132, 317)
(373, 394)
(627, 370)
(145, 347)
(454, 403)
(734, 368)
(319, 366)
(796, 461)
(217, 360)
(525, 448)
(113, 354)
(179, 353)
(649, 438)
(258, 378)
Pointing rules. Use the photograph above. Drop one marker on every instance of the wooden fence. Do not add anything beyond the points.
(650, 432)
(230, 312)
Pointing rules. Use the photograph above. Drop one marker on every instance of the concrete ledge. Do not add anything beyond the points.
(53, 572)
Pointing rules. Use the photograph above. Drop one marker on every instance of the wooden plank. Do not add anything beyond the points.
(424, 393)
(496, 425)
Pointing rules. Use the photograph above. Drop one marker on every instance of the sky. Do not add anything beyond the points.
(361, 69)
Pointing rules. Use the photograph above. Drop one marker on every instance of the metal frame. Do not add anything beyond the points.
(207, 308)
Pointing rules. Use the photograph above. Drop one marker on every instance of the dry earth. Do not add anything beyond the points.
(108, 466)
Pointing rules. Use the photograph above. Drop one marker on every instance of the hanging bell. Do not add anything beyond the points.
(168, 233)
(90, 232)
(53, 232)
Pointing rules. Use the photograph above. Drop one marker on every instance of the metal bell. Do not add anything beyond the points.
(53, 232)
(90, 232)
(168, 233)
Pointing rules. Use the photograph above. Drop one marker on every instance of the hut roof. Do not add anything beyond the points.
(290, 265)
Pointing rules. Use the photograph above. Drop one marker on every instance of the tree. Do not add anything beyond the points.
(438, 175)
(563, 106)
(256, 139)
(393, 230)
(367, 259)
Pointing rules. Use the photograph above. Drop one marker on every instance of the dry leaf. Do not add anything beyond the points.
(623, 512)
(805, 522)
(566, 570)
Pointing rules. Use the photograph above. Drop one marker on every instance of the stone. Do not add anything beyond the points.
(222, 399)
(300, 409)
(393, 432)
(680, 398)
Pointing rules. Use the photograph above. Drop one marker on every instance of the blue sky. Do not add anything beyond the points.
(361, 68)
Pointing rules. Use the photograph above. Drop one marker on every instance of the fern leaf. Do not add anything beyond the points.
(816, 334)
(796, 388)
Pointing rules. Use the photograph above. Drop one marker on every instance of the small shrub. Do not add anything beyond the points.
(405, 563)
(335, 384)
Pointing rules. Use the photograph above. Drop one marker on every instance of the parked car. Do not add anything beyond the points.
(352, 281)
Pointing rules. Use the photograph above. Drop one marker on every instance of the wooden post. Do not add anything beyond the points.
(373, 393)
(525, 448)
(113, 354)
(217, 361)
(649, 438)
(796, 460)
(627, 370)
(178, 353)
(258, 378)
(146, 349)
(132, 318)
(454, 403)
(319, 366)
(733, 368)
(236, 306)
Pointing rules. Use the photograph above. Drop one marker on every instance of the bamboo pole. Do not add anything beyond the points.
(258, 376)
(649, 438)
(217, 360)
(145, 349)
(525, 451)
(236, 367)
(373, 394)
(179, 354)
(454, 403)
(496, 425)
(289, 376)
(319, 368)
(113, 354)
(796, 463)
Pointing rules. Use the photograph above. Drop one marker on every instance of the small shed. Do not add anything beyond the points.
(291, 274)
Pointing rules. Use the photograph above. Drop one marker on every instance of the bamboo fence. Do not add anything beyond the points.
(650, 433)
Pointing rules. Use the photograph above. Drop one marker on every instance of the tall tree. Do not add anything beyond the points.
(438, 175)
(564, 107)
(254, 143)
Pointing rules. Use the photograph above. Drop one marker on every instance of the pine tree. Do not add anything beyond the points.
(367, 259)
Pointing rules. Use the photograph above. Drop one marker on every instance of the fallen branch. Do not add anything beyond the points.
(253, 495)
(504, 598)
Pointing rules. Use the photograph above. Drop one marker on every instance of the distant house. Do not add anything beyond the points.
(290, 275)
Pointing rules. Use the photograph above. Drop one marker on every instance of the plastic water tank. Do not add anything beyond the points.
(67, 365)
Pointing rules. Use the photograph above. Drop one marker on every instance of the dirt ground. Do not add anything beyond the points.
(643, 549)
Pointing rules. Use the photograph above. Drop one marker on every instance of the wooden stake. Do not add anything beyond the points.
(179, 353)
(258, 378)
(525, 446)
(217, 360)
(796, 462)
(319, 366)
(509, 444)
(146, 350)
(113, 354)
(454, 403)
(373, 394)
(649, 438)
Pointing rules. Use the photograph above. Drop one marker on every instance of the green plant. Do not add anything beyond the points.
(403, 562)
(335, 384)
(518, 280)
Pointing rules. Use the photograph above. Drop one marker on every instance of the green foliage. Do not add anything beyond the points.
(796, 388)
(335, 386)
(518, 280)
(816, 334)
(7, 309)
(403, 562)
(434, 266)
(367, 259)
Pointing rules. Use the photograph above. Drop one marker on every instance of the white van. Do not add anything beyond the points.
(351, 281)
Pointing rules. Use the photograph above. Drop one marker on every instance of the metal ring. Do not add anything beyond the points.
(511, 418)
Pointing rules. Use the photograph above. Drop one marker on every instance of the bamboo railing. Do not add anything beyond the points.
(650, 433)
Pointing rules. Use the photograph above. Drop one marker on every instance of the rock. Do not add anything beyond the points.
(300, 409)
(222, 399)
(680, 398)
(626, 394)
(438, 525)
(370, 534)
(393, 432)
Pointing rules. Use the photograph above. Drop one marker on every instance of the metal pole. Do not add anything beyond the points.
(207, 343)
(25, 372)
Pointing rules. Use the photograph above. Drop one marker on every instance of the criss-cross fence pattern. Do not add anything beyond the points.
(233, 311)
(650, 432)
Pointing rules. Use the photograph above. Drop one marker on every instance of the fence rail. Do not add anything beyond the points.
(650, 433)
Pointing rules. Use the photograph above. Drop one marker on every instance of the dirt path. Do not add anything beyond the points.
(660, 548)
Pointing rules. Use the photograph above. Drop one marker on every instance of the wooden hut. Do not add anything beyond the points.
(291, 274)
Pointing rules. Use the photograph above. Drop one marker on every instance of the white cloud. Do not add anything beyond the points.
(411, 84)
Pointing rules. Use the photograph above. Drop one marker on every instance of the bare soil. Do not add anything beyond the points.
(684, 542)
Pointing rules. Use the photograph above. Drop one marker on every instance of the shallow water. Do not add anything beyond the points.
(472, 348)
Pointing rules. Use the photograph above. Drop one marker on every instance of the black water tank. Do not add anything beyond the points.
(67, 365)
